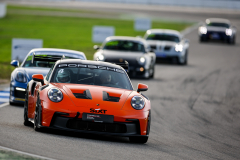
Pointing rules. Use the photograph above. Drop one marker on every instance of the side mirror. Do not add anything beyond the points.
(15, 63)
(38, 78)
(96, 47)
(142, 87)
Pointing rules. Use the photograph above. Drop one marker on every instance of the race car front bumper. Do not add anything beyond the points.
(17, 92)
(214, 35)
(125, 129)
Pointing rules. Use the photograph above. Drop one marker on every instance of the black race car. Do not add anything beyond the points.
(217, 29)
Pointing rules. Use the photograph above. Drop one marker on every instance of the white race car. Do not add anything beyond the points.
(168, 44)
(217, 29)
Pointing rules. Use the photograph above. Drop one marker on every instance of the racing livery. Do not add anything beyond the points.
(217, 29)
(168, 44)
(117, 49)
(88, 96)
(23, 74)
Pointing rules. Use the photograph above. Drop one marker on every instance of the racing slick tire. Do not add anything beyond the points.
(37, 116)
(144, 139)
(26, 122)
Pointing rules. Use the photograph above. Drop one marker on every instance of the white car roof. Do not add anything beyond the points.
(220, 20)
(168, 31)
(163, 31)
(58, 50)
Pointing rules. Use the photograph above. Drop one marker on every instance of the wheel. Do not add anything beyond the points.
(142, 139)
(26, 122)
(37, 116)
(184, 61)
(152, 76)
(233, 40)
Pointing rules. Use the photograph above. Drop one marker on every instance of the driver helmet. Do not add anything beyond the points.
(105, 77)
(63, 76)
(41, 64)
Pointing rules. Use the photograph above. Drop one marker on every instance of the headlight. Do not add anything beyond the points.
(137, 102)
(203, 30)
(178, 48)
(101, 57)
(55, 95)
(228, 32)
(142, 60)
(21, 77)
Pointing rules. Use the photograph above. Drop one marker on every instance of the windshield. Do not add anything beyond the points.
(92, 75)
(225, 25)
(45, 64)
(123, 45)
(163, 37)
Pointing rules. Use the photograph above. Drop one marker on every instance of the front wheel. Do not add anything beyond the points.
(183, 61)
(26, 122)
(142, 139)
(37, 120)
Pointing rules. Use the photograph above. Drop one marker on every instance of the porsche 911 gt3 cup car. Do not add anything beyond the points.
(90, 97)
(117, 49)
(217, 29)
(168, 44)
(23, 74)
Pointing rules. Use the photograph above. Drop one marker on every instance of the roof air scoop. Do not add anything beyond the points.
(111, 98)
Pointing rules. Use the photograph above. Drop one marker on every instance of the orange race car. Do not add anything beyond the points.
(89, 97)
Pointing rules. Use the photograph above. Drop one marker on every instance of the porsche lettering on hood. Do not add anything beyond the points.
(98, 95)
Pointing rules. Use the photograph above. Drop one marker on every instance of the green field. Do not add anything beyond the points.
(60, 32)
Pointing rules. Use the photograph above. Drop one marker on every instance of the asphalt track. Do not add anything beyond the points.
(195, 112)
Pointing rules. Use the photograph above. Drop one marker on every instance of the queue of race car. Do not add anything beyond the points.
(61, 89)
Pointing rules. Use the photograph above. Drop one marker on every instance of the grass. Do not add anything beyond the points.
(12, 155)
(60, 32)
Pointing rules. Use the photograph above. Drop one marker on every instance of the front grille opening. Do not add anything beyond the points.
(93, 126)
(19, 94)
(167, 48)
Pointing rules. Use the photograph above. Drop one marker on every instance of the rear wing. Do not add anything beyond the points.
(124, 65)
(47, 58)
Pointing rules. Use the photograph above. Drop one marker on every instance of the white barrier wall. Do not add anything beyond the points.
(227, 4)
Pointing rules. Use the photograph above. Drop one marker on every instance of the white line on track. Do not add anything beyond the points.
(190, 29)
(24, 153)
(4, 104)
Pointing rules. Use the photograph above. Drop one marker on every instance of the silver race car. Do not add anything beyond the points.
(217, 29)
(118, 49)
(168, 44)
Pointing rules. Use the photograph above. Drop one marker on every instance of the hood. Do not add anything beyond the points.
(216, 29)
(161, 43)
(120, 56)
(36, 70)
(96, 97)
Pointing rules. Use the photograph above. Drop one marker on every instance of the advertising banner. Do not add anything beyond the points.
(100, 33)
(21, 47)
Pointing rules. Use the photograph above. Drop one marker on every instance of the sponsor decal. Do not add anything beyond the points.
(92, 110)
